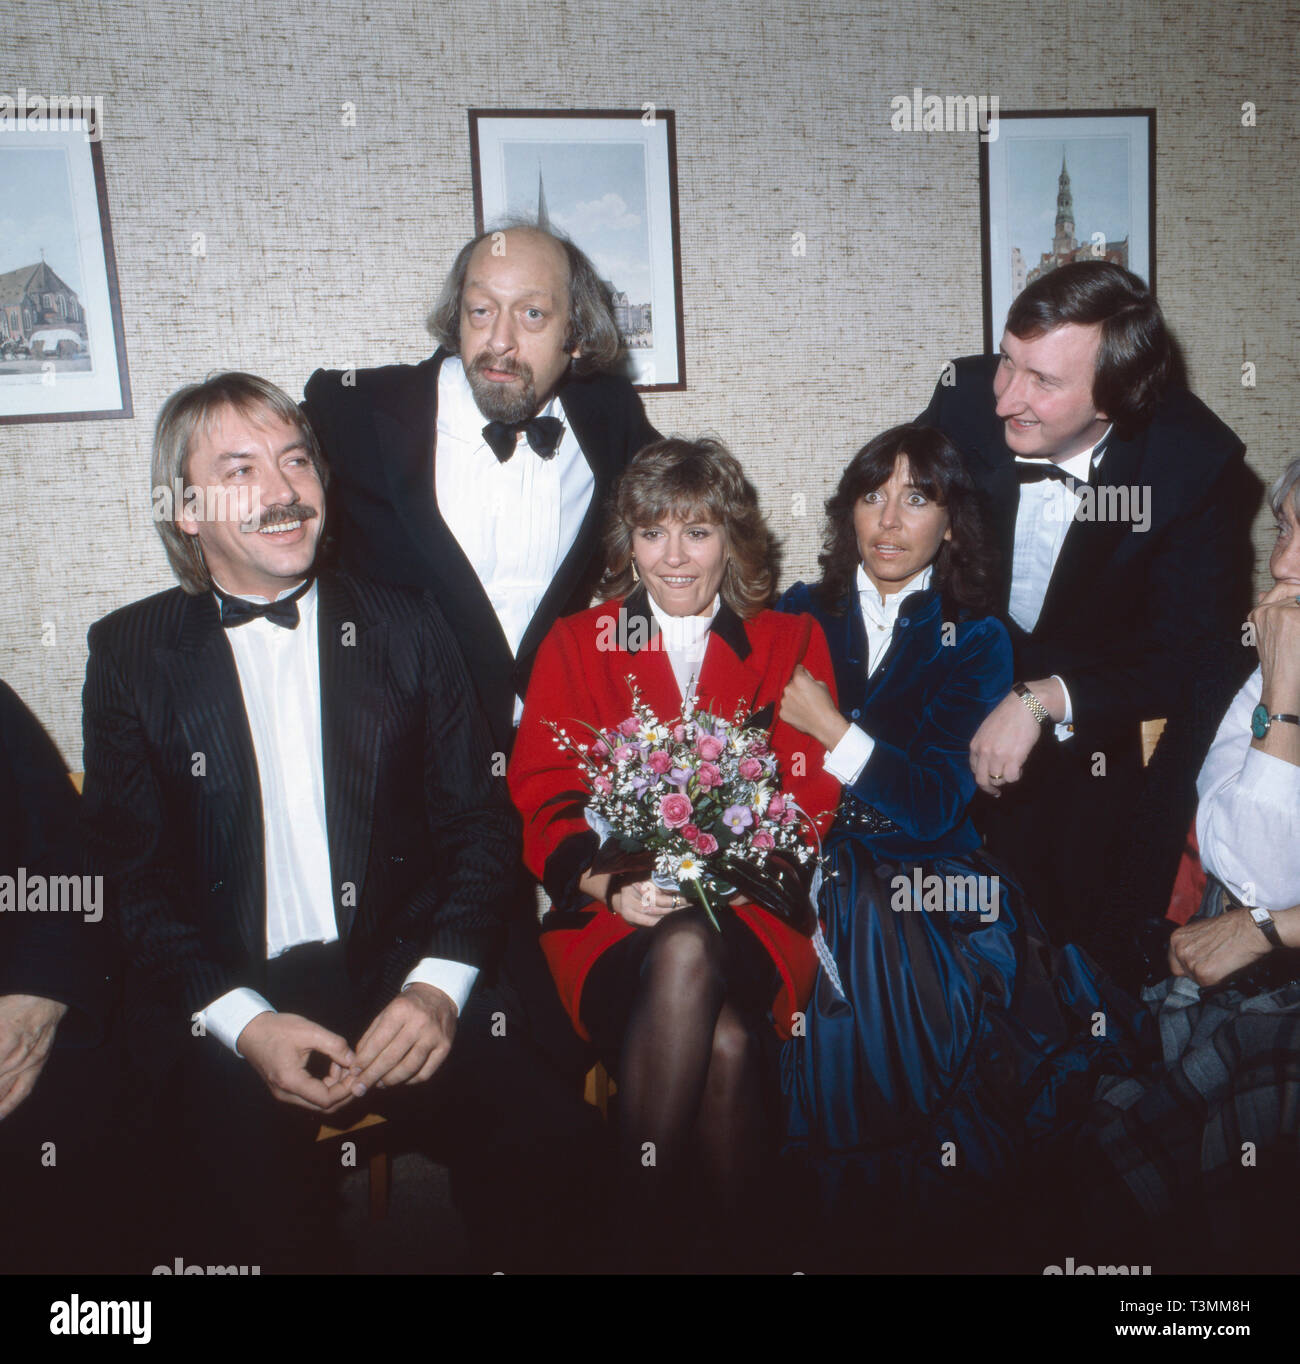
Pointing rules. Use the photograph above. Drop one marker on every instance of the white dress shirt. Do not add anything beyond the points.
(1248, 816)
(879, 614)
(685, 639)
(515, 521)
(279, 675)
(1043, 519)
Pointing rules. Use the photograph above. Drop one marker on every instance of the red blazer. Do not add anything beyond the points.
(579, 677)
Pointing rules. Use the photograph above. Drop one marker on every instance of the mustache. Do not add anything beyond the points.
(278, 515)
(504, 365)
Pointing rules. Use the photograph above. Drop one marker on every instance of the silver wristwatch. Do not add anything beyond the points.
(1266, 925)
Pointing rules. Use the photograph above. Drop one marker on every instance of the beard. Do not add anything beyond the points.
(502, 402)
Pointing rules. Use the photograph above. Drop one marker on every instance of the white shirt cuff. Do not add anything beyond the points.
(1065, 691)
(453, 978)
(227, 1017)
(1063, 730)
(847, 759)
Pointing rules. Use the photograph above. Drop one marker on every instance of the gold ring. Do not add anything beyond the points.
(995, 776)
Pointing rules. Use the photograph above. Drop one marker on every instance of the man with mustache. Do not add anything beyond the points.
(481, 475)
(289, 790)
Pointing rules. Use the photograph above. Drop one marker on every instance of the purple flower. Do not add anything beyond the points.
(679, 776)
(738, 818)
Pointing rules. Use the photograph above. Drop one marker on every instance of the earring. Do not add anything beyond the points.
(636, 577)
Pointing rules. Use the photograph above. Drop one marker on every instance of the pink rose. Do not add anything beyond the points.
(776, 806)
(679, 734)
(760, 838)
(602, 784)
(708, 747)
(675, 810)
(623, 752)
(750, 769)
(709, 776)
(758, 747)
(690, 833)
(659, 762)
(706, 844)
(629, 726)
(789, 817)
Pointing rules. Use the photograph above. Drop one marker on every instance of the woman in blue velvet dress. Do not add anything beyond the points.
(948, 1053)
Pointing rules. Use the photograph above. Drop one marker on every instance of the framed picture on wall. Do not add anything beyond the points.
(608, 180)
(1064, 185)
(62, 350)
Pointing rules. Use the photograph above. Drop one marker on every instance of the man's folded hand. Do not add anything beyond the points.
(279, 1047)
(410, 1039)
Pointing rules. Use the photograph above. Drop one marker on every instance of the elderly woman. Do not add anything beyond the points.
(677, 1010)
(1209, 1145)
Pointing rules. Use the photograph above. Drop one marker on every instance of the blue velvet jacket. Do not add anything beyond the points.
(922, 707)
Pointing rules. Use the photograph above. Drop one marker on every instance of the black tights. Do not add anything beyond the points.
(690, 1097)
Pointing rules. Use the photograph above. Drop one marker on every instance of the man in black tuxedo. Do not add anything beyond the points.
(58, 1071)
(1122, 507)
(482, 475)
(290, 787)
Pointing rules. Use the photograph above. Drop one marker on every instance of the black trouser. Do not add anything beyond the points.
(1061, 830)
(525, 1153)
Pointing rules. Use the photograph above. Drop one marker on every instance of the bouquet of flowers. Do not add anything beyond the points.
(697, 804)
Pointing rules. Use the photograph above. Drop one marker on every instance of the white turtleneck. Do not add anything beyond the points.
(684, 639)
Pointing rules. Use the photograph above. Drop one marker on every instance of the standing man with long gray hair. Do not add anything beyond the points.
(481, 475)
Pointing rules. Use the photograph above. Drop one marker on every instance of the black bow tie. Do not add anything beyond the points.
(543, 434)
(236, 611)
(1044, 469)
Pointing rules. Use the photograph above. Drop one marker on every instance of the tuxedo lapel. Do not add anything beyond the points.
(407, 440)
(1090, 544)
(588, 424)
(207, 701)
(353, 656)
(1002, 490)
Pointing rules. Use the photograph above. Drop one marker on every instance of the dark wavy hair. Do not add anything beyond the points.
(692, 480)
(1137, 360)
(592, 331)
(964, 568)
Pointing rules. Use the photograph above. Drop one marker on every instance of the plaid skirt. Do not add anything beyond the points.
(1210, 1141)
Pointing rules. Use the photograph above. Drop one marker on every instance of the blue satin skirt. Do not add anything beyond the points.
(962, 1054)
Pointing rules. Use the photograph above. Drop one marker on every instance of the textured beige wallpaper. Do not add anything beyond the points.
(325, 243)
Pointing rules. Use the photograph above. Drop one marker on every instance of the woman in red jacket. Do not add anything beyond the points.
(677, 1010)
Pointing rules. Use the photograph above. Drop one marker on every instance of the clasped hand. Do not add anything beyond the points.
(1210, 950)
(405, 1044)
